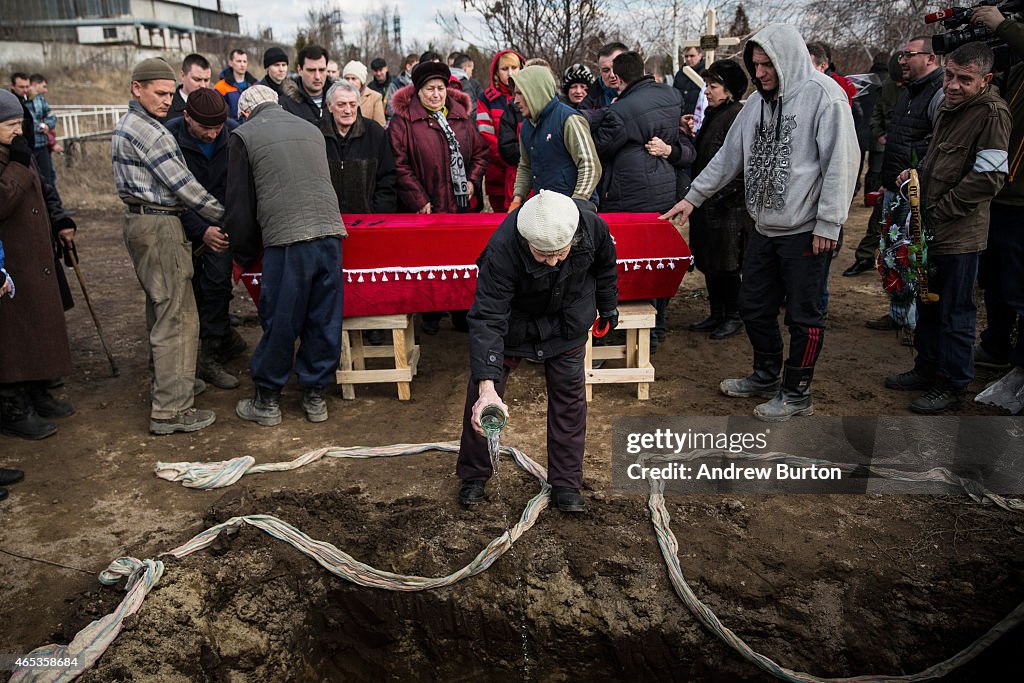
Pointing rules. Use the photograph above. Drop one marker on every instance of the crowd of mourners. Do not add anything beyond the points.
(762, 152)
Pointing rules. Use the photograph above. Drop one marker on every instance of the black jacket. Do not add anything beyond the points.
(689, 90)
(910, 127)
(294, 99)
(362, 166)
(508, 135)
(524, 308)
(211, 173)
(269, 82)
(633, 180)
(177, 109)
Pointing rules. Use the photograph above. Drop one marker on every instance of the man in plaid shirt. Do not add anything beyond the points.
(157, 187)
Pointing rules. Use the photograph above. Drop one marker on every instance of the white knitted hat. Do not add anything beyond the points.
(357, 69)
(255, 95)
(548, 221)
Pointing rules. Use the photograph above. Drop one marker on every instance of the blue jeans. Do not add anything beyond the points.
(945, 329)
(300, 298)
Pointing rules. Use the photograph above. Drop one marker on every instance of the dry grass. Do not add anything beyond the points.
(88, 182)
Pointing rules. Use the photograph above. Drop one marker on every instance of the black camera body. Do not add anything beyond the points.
(959, 31)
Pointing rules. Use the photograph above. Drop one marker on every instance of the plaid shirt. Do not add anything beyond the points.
(149, 167)
(41, 113)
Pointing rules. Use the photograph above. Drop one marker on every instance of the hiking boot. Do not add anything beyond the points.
(264, 409)
(567, 499)
(939, 399)
(314, 404)
(983, 359)
(10, 476)
(885, 323)
(792, 399)
(730, 327)
(209, 368)
(912, 380)
(471, 492)
(230, 346)
(44, 402)
(19, 418)
(191, 420)
(762, 382)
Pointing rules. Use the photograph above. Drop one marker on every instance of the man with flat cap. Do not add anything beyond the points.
(202, 134)
(546, 273)
(157, 187)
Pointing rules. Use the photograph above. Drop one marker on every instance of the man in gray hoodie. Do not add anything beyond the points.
(796, 145)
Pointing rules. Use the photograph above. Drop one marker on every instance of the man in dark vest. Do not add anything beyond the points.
(556, 151)
(279, 193)
(906, 143)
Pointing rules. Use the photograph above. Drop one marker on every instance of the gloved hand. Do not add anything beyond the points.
(611, 319)
(21, 153)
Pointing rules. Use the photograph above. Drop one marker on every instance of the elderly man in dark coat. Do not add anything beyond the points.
(33, 337)
(546, 273)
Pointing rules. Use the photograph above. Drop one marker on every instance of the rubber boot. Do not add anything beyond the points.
(762, 382)
(19, 418)
(264, 409)
(793, 398)
(209, 369)
(44, 402)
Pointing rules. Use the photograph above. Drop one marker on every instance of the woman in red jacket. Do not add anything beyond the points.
(439, 155)
(501, 178)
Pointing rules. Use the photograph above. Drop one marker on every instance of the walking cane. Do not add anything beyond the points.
(85, 293)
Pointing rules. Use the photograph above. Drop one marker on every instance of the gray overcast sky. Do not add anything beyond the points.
(286, 16)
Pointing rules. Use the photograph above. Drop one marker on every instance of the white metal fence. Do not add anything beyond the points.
(80, 121)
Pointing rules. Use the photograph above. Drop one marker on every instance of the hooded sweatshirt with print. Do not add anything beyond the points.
(556, 151)
(797, 150)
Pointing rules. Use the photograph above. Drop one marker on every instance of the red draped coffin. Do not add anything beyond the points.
(412, 263)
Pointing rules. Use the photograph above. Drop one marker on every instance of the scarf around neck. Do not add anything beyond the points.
(457, 165)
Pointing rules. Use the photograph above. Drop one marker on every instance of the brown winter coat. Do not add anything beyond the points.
(421, 151)
(33, 335)
(721, 226)
(958, 186)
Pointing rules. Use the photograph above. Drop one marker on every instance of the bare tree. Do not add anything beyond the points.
(861, 30)
(560, 31)
(323, 28)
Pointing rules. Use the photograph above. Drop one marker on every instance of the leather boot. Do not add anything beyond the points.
(729, 327)
(19, 418)
(762, 382)
(44, 402)
(264, 409)
(209, 369)
(712, 321)
(793, 398)
(230, 346)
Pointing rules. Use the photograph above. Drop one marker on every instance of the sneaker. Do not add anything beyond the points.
(567, 499)
(885, 323)
(471, 492)
(938, 400)
(314, 404)
(912, 380)
(191, 420)
(983, 359)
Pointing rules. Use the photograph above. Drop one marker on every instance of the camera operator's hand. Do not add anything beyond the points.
(988, 16)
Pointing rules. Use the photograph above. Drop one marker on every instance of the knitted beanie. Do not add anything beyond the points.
(548, 221)
(273, 55)
(153, 69)
(357, 69)
(10, 106)
(254, 96)
(206, 107)
(577, 73)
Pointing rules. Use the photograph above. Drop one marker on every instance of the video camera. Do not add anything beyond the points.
(959, 31)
